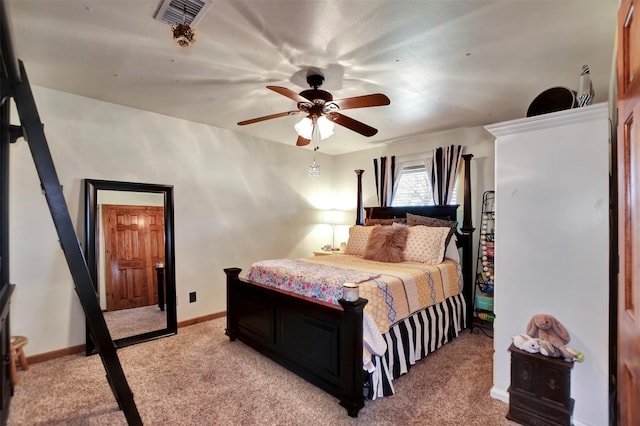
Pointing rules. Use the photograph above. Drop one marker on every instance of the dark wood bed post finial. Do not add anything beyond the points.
(467, 230)
(466, 219)
(359, 208)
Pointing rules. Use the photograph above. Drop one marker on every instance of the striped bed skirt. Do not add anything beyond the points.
(412, 339)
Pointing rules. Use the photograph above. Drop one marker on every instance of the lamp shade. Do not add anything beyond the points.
(334, 217)
(305, 127)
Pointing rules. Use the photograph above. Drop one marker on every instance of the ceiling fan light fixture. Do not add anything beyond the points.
(304, 127)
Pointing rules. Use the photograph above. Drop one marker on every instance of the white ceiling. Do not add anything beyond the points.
(444, 64)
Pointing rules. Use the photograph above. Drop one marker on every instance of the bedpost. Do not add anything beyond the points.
(467, 230)
(233, 275)
(351, 341)
(466, 218)
(359, 208)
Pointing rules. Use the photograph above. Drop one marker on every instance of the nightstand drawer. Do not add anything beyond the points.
(556, 385)
(523, 372)
(543, 412)
(526, 417)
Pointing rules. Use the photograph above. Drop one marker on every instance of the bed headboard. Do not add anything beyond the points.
(448, 212)
(442, 211)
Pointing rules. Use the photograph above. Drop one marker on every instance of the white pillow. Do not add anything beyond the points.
(452, 250)
(426, 244)
(358, 238)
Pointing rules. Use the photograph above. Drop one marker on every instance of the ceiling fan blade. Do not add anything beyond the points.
(350, 123)
(288, 93)
(302, 141)
(267, 117)
(377, 99)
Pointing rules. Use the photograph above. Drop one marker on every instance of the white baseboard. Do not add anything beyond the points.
(499, 394)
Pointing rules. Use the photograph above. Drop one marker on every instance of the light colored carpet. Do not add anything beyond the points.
(199, 377)
(133, 321)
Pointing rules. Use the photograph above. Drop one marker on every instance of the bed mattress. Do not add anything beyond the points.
(394, 290)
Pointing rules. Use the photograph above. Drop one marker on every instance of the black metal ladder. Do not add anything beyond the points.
(32, 131)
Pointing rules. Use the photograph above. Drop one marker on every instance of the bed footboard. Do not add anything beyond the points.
(318, 341)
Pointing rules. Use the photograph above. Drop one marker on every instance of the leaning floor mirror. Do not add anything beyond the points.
(129, 248)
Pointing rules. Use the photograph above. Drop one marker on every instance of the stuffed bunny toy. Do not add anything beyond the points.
(553, 337)
(526, 343)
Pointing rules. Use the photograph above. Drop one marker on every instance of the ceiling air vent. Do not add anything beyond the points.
(175, 11)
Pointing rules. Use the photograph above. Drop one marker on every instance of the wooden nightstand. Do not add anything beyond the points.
(540, 391)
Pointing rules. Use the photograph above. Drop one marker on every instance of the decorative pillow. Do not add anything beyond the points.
(426, 244)
(372, 222)
(358, 237)
(451, 252)
(386, 244)
(414, 219)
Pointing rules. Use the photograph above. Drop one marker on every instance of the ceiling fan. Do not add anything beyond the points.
(319, 106)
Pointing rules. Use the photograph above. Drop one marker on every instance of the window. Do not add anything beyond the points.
(414, 188)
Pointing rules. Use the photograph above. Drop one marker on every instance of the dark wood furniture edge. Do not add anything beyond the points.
(7, 387)
(466, 240)
(467, 225)
(8, 134)
(359, 207)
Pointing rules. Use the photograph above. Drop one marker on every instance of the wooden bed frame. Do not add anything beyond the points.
(319, 341)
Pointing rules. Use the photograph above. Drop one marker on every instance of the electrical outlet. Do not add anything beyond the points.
(192, 297)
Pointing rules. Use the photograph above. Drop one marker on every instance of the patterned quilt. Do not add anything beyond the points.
(394, 290)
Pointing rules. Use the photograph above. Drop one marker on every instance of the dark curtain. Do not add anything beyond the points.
(384, 171)
(446, 161)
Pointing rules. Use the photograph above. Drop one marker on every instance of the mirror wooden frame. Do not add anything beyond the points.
(91, 187)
